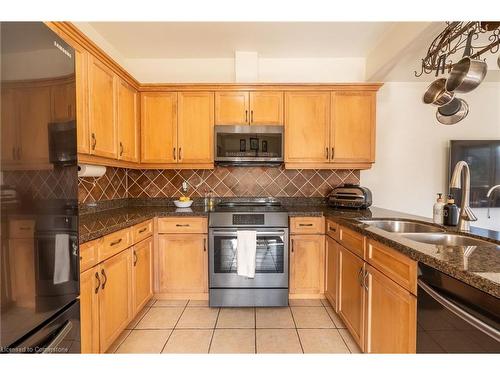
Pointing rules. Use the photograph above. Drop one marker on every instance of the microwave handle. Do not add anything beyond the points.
(459, 312)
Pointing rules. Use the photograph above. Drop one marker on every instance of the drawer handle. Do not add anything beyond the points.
(24, 228)
(182, 225)
(305, 225)
(98, 282)
(332, 229)
(143, 229)
(105, 279)
(116, 242)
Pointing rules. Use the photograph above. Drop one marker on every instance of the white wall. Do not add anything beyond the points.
(412, 148)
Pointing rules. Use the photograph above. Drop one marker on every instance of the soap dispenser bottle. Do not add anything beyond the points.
(450, 212)
(437, 213)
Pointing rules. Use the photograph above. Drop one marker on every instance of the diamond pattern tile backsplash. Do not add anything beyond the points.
(120, 183)
(234, 181)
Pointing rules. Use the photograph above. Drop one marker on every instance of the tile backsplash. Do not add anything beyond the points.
(120, 183)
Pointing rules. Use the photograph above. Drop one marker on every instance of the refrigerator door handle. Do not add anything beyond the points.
(59, 338)
(459, 312)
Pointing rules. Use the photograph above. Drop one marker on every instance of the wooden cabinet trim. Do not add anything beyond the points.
(307, 225)
(176, 225)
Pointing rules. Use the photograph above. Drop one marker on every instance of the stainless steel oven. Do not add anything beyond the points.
(269, 287)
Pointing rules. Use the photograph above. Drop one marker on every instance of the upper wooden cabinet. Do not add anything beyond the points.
(249, 108)
(102, 109)
(159, 127)
(195, 128)
(353, 127)
(128, 122)
(307, 127)
(63, 98)
(82, 125)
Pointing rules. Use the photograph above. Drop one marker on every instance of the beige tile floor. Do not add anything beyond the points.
(182, 326)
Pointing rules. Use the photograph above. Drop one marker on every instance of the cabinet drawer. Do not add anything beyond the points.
(307, 225)
(21, 228)
(114, 243)
(183, 225)
(353, 241)
(142, 230)
(332, 229)
(393, 264)
(88, 255)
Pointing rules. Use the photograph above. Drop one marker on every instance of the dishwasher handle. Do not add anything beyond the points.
(459, 312)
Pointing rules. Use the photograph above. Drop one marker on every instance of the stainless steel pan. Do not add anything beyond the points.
(453, 112)
(436, 94)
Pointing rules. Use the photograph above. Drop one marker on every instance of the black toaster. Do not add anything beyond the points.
(350, 196)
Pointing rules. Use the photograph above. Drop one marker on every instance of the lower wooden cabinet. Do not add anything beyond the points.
(115, 297)
(307, 263)
(143, 273)
(351, 296)
(331, 271)
(183, 263)
(391, 315)
(89, 310)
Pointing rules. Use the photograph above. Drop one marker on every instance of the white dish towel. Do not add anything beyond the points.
(246, 248)
(62, 266)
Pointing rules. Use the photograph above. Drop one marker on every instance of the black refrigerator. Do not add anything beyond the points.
(39, 259)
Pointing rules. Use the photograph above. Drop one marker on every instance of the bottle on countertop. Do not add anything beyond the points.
(437, 212)
(450, 212)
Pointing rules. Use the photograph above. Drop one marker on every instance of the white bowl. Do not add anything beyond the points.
(181, 204)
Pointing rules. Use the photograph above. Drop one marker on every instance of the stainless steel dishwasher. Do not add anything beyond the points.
(454, 317)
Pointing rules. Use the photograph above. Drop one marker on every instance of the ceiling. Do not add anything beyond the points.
(156, 40)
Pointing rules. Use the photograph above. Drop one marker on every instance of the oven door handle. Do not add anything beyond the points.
(459, 312)
(233, 233)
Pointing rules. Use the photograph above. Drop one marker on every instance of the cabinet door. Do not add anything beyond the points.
(351, 295)
(21, 264)
(391, 315)
(159, 127)
(143, 273)
(195, 130)
(102, 109)
(89, 310)
(266, 108)
(128, 123)
(353, 127)
(232, 108)
(307, 261)
(307, 124)
(63, 102)
(332, 271)
(82, 110)
(115, 297)
(34, 117)
(10, 120)
(183, 263)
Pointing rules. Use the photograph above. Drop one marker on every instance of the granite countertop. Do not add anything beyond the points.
(478, 266)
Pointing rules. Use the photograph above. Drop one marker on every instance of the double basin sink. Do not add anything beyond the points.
(425, 233)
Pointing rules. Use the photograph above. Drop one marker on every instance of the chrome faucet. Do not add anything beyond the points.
(488, 195)
(466, 214)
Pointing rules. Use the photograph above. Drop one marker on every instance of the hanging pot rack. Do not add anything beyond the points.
(454, 39)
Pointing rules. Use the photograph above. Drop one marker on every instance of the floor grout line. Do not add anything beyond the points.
(175, 325)
(296, 329)
(213, 331)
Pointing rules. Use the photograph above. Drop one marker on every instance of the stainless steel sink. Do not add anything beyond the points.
(402, 226)
(446, 239)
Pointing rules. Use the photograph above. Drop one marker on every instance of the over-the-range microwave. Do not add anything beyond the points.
(248, 145)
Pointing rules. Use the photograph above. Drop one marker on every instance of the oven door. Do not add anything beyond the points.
(271, 263)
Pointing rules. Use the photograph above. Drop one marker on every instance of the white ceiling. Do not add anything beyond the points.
(155, 40)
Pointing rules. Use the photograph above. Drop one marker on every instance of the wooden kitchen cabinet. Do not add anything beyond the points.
(249, 108)
(115, 297)
(183, 263)
(232, 108)
(102, 109)
(82, 110)
(307, 127)
(351, 294)
(128, 122)
(63, 98)
(142, 273)
(89, 310)
(352, 138)
(391, 315)
(159, 127)
(331, 271)
(10, 121)
(307, 260)
(195, 129)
